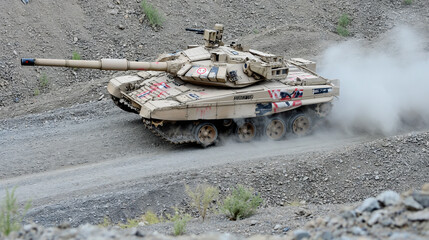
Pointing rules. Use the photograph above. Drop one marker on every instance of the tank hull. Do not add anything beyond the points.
(174, 109)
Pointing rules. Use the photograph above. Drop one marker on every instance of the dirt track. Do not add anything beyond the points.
(119, 147)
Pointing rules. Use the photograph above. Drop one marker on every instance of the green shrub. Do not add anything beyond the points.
(342, 31)
(44, 81)
(150, 218)
(202, 197)
(76, 56)
(343, 23)
(106, 222)
(241, 203)
(36, 92)
(131, 223)
(10, 216)
(179, 220)
(43, 84)
(344, 20)
(408, 2)
(155, 18)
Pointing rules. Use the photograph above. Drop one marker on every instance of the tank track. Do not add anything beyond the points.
(175, 134)
(183, 132)
(124, 105)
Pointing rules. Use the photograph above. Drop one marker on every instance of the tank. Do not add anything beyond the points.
(197, 94)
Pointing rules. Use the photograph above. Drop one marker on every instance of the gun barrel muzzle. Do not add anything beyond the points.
(27, 61)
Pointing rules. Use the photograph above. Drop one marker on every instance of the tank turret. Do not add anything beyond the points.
(213, 64)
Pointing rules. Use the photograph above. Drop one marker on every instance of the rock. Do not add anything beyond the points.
(277, 227)
(375, 217)
(113, 11)
(358, 231)
(419, 216)
(286, 229)
(411, 204)
(386, 221)
(389, 198)
(300, 234)
(369, 205)
(400, 221)
(404, 236)
(64, 225)
(253, 222)
(324, 236)
(120, 26)
(348, 214)
(422, 198)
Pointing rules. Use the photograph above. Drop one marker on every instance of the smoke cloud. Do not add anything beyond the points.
(384, 85)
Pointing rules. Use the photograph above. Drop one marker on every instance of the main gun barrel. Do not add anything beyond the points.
(103, 64)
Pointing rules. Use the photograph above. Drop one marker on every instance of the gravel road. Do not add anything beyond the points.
(70, 153)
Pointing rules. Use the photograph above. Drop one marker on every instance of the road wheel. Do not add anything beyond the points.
(246, 131)
(300, 124)
(206, 134)
(275, 129)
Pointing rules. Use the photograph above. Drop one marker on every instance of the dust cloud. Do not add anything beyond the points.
(384, 86)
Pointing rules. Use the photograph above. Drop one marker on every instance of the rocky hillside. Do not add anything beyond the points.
(388, 216)
(118, 29)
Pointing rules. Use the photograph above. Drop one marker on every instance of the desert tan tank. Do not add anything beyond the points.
(197, 94)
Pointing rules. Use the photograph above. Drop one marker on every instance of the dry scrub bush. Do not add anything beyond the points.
(343, 22)
(152, 14)
(202, 196)
(241, 203)
(179, 220)
(76, 56)
(10, 216)
(148, 218)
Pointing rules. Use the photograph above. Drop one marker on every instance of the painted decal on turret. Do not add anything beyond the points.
(201, 70)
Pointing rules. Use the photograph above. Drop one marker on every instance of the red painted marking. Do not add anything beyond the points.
(201, 70)
(297, 103)
(161, 93)
(275, 107)
(271, 95)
